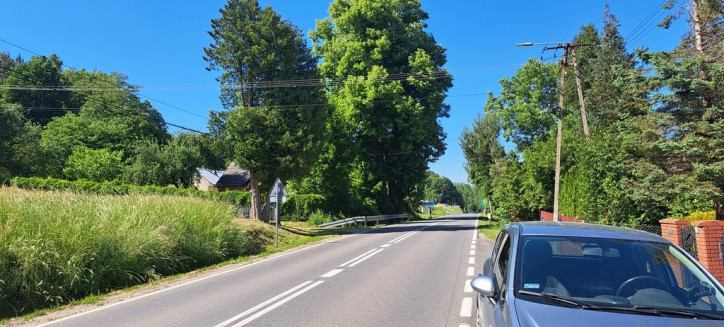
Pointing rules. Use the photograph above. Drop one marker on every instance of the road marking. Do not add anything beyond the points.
(468, 287)
(331, 273)
(243, 266)
(471, 260)
(472, 247)
(399, 238)
(365, 258)
(472, 252)
(265, 303)
(408, 235)
(464, 325)
(385, 245)
(357, 257)
(276, 305)
(466, 309)
(471, 271)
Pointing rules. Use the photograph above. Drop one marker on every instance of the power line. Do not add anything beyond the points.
(139, 94)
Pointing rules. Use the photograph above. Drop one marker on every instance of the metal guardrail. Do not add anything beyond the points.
(364, 219)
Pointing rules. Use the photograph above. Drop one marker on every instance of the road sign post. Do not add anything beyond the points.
(278, 194)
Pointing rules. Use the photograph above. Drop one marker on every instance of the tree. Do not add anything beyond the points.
(40, 105)
(114, 120)
(391, 95)
(526, 102)
(19, 140)
(441, 189)
(272, 132)
(482, 149)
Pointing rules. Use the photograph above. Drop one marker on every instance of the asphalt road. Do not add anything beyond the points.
(413, 274)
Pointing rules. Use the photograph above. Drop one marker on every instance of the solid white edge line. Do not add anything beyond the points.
(466, 309)
(278, 304)
(365, 258)
(331, 273)
(263, 304)
(357, 257)
(185, 284)
(468, 288)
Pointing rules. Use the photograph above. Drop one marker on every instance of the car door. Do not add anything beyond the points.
(492, 309)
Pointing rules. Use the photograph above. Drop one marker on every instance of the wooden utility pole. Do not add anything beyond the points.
(580, 93)
(559, 112)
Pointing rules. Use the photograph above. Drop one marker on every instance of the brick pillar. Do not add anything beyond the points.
(709, 234)
(671, 230)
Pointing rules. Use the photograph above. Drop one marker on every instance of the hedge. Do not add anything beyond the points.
(238, 198)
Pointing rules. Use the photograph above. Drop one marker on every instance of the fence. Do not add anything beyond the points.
(365, 220)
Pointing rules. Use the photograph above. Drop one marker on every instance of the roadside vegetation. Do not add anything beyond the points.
(656, 128)
(56, 247)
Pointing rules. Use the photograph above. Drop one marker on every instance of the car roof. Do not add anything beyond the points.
(583, 230)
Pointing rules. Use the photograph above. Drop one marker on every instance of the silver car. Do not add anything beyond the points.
(575, 274)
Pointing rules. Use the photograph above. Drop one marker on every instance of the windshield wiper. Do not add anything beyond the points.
(654, 311)
(556, 298)
(683, 313)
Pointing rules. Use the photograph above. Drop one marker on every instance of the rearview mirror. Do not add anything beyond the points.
(484, 285)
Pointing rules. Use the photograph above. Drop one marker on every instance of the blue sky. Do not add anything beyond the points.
(159, 45)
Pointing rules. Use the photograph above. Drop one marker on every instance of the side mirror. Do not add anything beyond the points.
(484, 285)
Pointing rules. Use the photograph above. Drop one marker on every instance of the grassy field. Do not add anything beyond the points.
(57, 247)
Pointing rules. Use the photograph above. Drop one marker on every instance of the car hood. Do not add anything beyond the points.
(532, 314)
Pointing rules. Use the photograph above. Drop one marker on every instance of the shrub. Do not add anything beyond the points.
(299, 207)
(701, 215)
(318, 217)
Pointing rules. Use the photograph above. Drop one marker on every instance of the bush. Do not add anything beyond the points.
(299, 207)
(318, 217)
(701, 215)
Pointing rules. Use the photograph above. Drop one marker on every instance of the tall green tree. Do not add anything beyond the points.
(40, 106)
(114, 120)
(526, 103)
(272, 132)
(391, 95)
(482, 149)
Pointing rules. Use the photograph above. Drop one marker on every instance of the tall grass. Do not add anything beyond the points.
(57, 246)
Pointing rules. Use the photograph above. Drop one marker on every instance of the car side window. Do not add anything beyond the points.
(501, 262)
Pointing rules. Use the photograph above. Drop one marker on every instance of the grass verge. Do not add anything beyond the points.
(59, 247)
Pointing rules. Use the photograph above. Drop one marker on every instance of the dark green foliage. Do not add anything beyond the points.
(272, 132)
(40, 106)
(299, 207)
(387, 131)
(441, 190)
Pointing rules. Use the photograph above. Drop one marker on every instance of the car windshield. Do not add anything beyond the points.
(613, 274)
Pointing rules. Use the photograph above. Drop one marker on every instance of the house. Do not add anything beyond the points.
(233, 178)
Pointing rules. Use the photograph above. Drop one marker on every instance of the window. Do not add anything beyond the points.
(501, 262)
